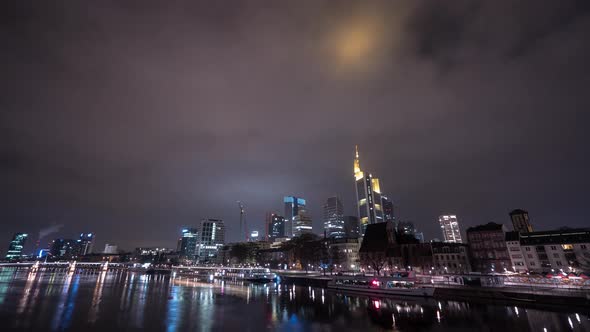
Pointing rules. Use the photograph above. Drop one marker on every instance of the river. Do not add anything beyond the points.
(122, 300)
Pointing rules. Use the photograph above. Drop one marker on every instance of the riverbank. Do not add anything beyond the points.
(505, 294)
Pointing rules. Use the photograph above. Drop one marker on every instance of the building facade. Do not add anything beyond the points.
(368, 196)
(302, 223)
(351, 227)
(334, 218)
(293, 207)
(387, 209)
(16, 246)
(406, 227)
(449, 226)
(565, 250)
(450, 257)
(344, 253)
(277, 227)
(211, 239)
(520, 221)
(110, 249)
(65, 249)
(86, 243)
(187, 244)
(488, 249)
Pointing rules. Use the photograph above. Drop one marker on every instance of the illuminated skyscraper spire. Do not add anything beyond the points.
(358, 174)
(368, 195)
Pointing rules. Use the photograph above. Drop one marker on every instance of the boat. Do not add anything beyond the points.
(261, 277)
(152, 271)
(381, 286)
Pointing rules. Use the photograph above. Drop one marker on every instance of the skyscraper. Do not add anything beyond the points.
(351, 227)
(406, 228)
(368, 194)
(293, 206)
(187, 244)
(277, 227)
(211, 239)
(520, 221)
(387, 209)
(302, 223)
(15, 248)
(85, 243)
(65, 249)
(450, 228)
(333, 218)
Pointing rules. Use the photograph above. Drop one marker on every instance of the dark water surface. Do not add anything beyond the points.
(115, 301)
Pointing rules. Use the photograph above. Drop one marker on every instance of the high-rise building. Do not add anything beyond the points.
(520, 221)
(302, 223)
(450, 228)
(211, 239)
(110, 249)
(387, 209)
(277, 227)
(65, 249)
(334, 218)
(368, 194)
(406, 228)
(15, 249)
(187, 244)
(85, 243)
(293, 206)
(254, 236)
(351, 227)
(419, 236)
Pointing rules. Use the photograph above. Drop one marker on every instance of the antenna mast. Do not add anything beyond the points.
(243, 227)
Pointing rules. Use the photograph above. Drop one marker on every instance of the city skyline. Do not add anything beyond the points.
(134, 132)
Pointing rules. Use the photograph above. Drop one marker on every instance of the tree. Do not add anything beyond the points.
(335, 257)
(307, 249)
(244, 253)
(375, 260)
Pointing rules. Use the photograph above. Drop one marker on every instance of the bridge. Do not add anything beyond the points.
(58, 266)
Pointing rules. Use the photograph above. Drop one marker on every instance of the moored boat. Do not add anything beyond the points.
(381, 286)
(262, 277)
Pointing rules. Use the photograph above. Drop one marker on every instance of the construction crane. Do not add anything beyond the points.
(243, 227)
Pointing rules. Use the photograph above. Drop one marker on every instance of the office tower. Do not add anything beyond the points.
(211, 239)
(187, 244)
(302, 223)
(15, 248)
(65, 249)
(351, 227)
(387, 209)
(85, 243)
(406, 228)
(110, 249)
(292, 207)
(419, 236)
(333, 218)
(520, 221)
(277, 227)
(368, 196)
(254, 236)
(450, 228)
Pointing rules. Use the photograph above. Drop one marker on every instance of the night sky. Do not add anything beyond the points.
(131, 118)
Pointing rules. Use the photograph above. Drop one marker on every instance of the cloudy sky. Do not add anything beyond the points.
(131, 119)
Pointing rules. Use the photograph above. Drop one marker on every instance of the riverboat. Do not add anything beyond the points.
(381, 286)
(261, 277)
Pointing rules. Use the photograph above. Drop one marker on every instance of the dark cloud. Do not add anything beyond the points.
(130, 120)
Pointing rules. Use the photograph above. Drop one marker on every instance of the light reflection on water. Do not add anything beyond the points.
(120, 300)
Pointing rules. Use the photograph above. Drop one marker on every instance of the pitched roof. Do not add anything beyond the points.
(491, 226)
(376, 238)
